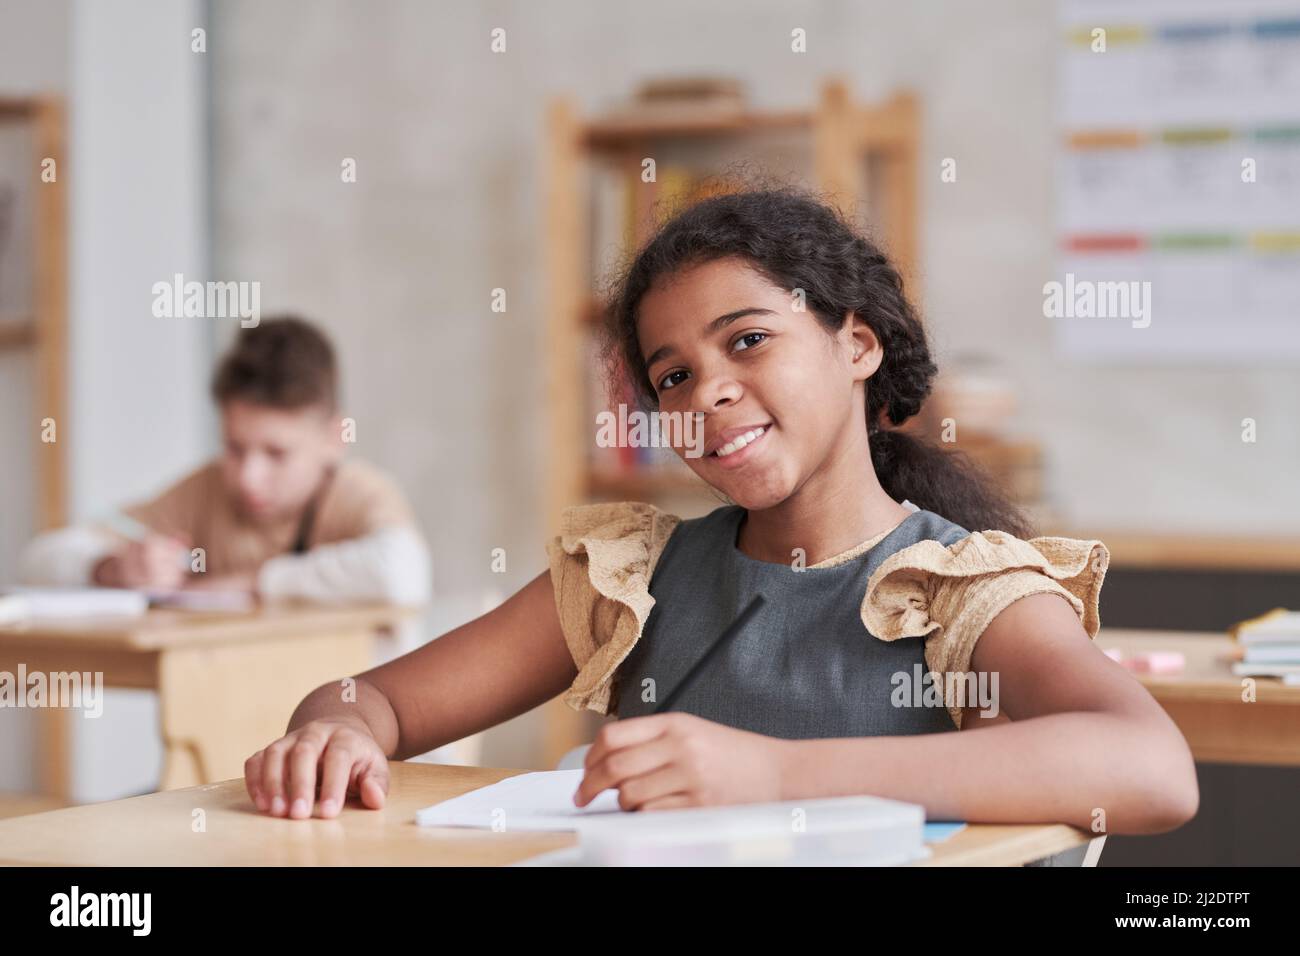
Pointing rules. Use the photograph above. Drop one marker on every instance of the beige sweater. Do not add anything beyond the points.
(602, 562)
(364, 543)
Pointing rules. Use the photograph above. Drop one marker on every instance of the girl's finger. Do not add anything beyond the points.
(659, 784)
(676, 801)
(273, 760)
(373, 783)
(335, 769)
(620, 765)
(626, 733)
(302, 763)
(253, 781)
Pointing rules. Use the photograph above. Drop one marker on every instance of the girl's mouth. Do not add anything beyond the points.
(740, 449)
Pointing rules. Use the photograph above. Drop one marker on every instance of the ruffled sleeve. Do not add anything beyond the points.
(949, 595)
(601, 564)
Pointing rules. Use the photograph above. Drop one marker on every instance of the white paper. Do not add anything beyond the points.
(56, 603)
(529, 801)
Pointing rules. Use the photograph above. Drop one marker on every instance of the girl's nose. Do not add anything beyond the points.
(716, 390)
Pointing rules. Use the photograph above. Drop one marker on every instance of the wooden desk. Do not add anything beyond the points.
(1205, 700)
(227, 682)
(159, 830)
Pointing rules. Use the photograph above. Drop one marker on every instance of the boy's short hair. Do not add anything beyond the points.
(282, 362)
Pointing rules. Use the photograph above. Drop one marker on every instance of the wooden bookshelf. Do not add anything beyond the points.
(851, 144)
(43, 332)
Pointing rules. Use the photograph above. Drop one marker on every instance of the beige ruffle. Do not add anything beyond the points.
(950, 594)
(605, 555)
(601, 564)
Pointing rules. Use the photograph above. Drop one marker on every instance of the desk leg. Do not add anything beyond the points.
(220, 704)
(54, 753)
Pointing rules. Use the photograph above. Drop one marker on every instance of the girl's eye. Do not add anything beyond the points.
(759, 336)
(667, 379)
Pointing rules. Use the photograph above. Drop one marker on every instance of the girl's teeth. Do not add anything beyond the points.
(739, 442)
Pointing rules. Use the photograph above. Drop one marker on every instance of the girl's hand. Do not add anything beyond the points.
(676, 760)
(282, 778)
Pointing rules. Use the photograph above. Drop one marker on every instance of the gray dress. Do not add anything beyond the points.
(804, 666)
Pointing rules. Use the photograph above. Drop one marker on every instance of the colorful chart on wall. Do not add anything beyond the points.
(1178, 181)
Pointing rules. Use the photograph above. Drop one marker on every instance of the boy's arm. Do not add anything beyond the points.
(67, 557)
(390, 565)
(70, 557)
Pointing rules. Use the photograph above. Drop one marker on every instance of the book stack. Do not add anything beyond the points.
(1270, 646)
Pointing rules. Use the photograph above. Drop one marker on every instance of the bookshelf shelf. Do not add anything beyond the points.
(619, 133)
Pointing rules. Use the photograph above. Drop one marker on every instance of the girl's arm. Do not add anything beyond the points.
(1083, 736)
(495, 667)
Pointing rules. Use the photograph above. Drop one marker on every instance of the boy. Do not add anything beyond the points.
(278, 514)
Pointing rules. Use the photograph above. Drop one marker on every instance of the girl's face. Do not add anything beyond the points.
(722, 340)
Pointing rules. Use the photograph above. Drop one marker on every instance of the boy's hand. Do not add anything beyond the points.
(153, 563)
(282, 778)
(677, 760)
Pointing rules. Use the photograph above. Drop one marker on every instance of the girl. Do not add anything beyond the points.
(764, 313)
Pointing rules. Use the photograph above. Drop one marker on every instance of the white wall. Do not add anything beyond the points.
(139, 215)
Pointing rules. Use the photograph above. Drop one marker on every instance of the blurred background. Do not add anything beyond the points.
(499, 146)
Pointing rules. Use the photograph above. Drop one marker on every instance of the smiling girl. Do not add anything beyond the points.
(878, 559)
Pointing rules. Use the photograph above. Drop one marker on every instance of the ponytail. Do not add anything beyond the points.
(945, 482)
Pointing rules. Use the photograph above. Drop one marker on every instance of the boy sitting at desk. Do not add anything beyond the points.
(278, 514)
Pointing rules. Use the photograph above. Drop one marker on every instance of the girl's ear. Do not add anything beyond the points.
(866, 351)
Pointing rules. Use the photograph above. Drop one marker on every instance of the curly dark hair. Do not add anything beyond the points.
(797, 241)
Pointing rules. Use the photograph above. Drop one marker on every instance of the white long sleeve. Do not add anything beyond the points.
(65, 558)
(392, 565)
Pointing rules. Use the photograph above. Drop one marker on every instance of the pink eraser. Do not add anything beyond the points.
(1115, 654)
(1157, 662)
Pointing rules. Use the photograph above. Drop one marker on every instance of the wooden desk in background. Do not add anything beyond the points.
(227, 682)
(1205, 700)
(159, 830)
